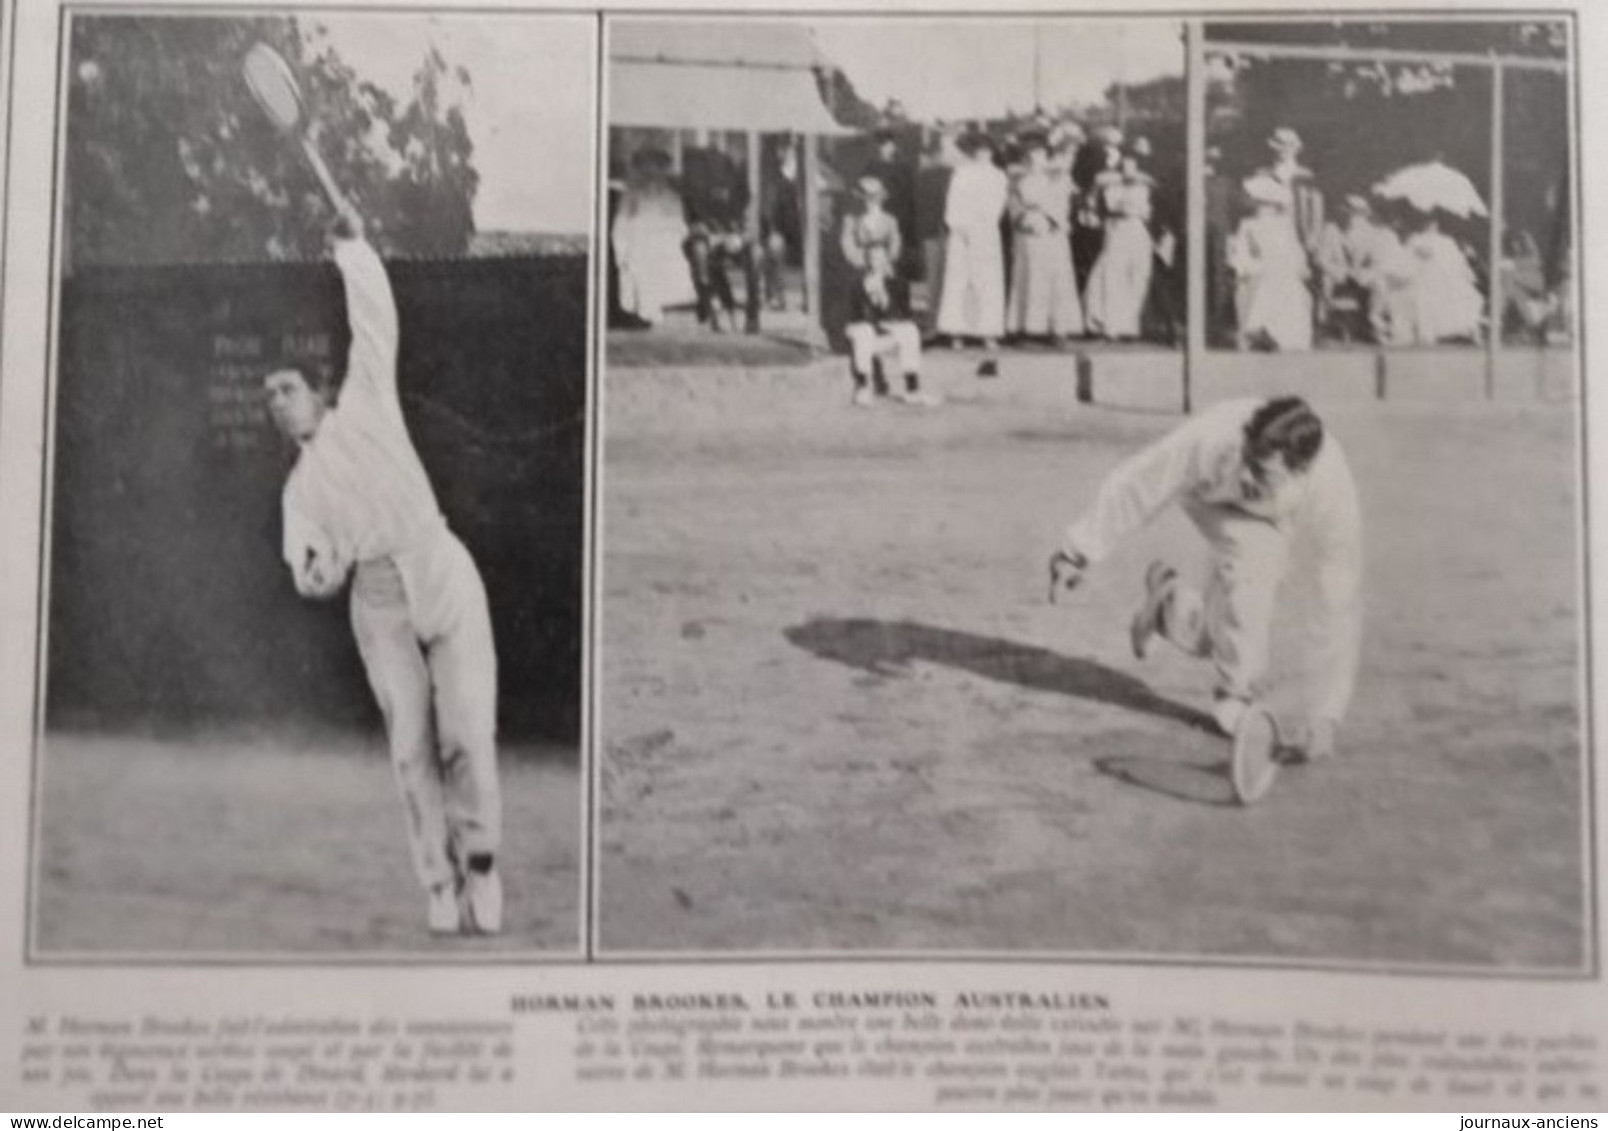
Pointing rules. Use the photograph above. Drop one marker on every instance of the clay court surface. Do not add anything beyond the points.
(837, 713)
(287, 845)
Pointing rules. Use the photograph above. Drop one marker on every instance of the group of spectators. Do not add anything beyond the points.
(678, 240)
(1287, 271)
(1047, 236)
(1284, 271)
(1053, 234)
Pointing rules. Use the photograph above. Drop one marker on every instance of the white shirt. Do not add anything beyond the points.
(358, 490)
(976, 200)
(1204, 459)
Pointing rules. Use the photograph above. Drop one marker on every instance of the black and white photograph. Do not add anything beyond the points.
(1103, 488)
(311, 679)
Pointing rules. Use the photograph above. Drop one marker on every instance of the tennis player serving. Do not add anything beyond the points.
(358, 505)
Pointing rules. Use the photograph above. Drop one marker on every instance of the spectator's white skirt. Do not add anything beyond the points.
(652, 265)
(1447, 303)
(1044, 291)
(973, 300)
(1120, 282)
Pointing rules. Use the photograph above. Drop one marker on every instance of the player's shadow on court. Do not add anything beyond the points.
(887, 648)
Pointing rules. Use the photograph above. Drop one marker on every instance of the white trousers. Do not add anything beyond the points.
(900, 340)
(1230, 620)
(437, 689)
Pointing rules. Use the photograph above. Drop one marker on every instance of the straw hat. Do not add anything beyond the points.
(1285, 140)
(1068, 131)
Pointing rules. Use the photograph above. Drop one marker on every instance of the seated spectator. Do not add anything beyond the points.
(780, 223)
(1529, 303)
(881, 329)
(1349, 256)
(1446, 294)
(715, 193)
(1393, 308)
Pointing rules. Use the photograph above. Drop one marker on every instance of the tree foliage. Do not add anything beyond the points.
(1362, 119)
(170, 160)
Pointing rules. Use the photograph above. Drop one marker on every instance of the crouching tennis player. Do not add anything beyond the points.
(1266, 487)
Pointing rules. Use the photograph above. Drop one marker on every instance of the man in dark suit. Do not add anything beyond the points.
(1103, 154)
(714, 193)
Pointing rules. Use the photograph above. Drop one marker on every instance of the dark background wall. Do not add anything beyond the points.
(169, 605)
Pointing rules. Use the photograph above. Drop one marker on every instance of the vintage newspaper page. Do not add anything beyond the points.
(574, 557)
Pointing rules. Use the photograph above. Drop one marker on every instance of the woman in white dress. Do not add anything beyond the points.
(1393, 308)
(649, 230)
(1271, 270)
(1044, 291)
(1120, 281)
(1446, 299)
(973, 301)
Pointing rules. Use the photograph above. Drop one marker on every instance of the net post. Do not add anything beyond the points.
(1195, 206)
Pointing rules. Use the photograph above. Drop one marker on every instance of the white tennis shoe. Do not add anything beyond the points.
(443, 913)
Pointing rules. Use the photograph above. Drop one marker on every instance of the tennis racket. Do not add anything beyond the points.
(1255, 762)
(274, 87)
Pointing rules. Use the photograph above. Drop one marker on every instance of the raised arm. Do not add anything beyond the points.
(371, 314)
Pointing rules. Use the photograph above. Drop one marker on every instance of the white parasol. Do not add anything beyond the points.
(1433, 185)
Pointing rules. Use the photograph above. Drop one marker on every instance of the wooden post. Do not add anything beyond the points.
(1195, 206)
(753, 187)
(1493, 343)
(1085, 379)
(812, 228)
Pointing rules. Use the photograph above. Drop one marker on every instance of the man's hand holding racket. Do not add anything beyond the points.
(1067, 570)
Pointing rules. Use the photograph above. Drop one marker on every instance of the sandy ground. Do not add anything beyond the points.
(277, 846)
(838, 714)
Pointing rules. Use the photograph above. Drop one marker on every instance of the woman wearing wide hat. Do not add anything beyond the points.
(1271, 270)
(973, 300)
(1044, 292)
(1120, 282)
